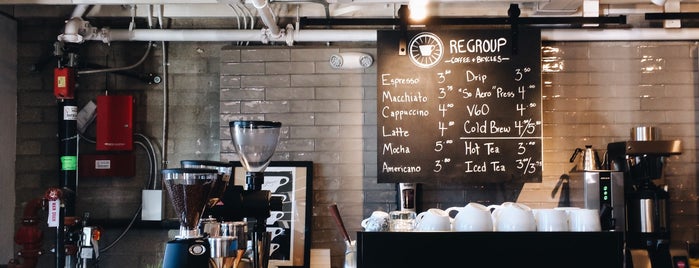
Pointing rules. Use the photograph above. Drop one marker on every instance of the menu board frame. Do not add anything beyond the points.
(459, 106)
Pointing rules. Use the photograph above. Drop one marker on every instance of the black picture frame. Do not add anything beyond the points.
(294, 242)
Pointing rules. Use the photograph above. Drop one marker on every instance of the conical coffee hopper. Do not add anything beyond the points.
(189, 190)
(225, 171)
(255, 142)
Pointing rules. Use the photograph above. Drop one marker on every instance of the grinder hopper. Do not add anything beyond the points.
(189, 190)
(255, 142)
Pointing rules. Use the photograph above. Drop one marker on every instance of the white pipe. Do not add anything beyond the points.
(79, 11)
(267, 17)
(644, 34)
(236, 35)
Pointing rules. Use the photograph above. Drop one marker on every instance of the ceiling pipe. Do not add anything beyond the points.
(323, 35)
(268, 17)
(291, 36)
(79, 11)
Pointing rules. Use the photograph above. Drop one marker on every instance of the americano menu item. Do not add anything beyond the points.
(459, 106)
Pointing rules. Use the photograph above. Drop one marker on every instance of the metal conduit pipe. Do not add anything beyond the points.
(79, 11)
(236, 35)
(644, 34)
(268, 17)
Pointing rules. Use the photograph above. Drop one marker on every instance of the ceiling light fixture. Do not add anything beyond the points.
(418, 10)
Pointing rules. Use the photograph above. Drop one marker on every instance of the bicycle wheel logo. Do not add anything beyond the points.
(426, 50)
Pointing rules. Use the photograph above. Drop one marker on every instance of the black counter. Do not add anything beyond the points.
(490, 249)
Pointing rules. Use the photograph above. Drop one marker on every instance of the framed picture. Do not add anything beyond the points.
(290, 228)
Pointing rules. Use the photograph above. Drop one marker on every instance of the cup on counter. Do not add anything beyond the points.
(551, 220)
(433, 220)
(402, 221)
(377, 222)
(474, 217)
(513, 217)
(584, 220)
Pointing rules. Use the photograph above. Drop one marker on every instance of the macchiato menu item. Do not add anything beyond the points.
(459, 106)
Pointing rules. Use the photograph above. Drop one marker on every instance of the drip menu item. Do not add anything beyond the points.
(459, 106)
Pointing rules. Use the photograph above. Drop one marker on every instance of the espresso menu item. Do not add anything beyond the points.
(459, 106)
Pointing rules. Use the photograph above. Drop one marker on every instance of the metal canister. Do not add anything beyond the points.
(644, 133)
(238, 229)
(210, 226)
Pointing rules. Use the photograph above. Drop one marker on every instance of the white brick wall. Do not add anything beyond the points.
(330, 117)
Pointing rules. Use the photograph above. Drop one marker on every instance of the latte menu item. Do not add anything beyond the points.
(459, 106)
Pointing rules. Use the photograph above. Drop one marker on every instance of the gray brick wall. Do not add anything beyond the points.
(329, 118)
(602, 92)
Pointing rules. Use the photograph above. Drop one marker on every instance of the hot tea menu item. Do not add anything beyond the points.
(459, 106)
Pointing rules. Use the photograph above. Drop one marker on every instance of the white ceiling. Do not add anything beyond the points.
(292, 10)
(357, 8)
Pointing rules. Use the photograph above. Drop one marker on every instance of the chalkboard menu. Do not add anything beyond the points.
(459, 106)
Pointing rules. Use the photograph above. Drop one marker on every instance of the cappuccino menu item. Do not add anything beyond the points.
(459, 106)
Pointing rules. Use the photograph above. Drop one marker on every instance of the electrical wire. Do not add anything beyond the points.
(165, 93)
(237, 17)
(152, 163)
(145, 56)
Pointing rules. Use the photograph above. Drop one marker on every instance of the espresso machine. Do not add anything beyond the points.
(642, 159)
(189, 190)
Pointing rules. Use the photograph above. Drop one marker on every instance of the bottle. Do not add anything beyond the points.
(407, 196)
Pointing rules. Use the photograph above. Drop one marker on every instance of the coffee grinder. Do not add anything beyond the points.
(255, 143)
(647, 223)
(189, 190)
(226, 247)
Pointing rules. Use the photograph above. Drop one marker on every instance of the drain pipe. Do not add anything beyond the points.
(79, 11)
(268, 17)
(179, 35)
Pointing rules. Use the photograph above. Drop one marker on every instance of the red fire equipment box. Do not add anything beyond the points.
(114, 123)
(63, 83)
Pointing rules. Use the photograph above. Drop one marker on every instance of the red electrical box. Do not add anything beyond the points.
(114, 123)
(63, 83)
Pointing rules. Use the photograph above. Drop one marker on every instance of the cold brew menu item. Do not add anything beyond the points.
(460, 106)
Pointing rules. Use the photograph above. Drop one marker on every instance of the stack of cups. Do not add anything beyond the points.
(551, 220)
(582, 219)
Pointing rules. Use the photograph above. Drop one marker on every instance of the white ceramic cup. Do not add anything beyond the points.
(474, 217)
(551, 220)
(274, 232)
(584, 220)
(433, 220)
(377, 222)
(513, 217)
(272, 183)
(274, 217)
